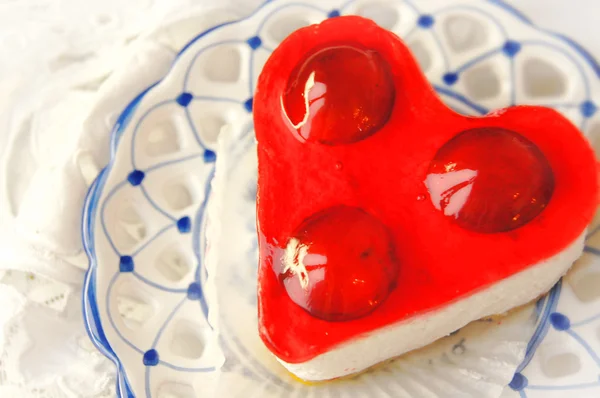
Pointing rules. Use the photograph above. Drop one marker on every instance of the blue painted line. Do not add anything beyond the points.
(539, 43)
(584, 124)
(473, 105)
(186, 77)
(478, 59)
(172, 162)
(137, 127)
(185, 369)
(586, 321)
(217, 99)
(566, 387)
(543, 326)
(591, 250)
(479, 11)
(562, 105)
(411, 32)
(196, 239)
(522, 394)
(412, 6)
(276, 10)
(123, 120)
(157, 286)
(585, 345)
(197, 274)
(251, 76)
(155, 205)
(188, 116)
(167, 321)
(89, 303)
(592, 232)
(110, 317)
(157, 235)
(438, 42)
(102, 212)
(147, 382)
(513, 80)
(345, 5)
(576, 46)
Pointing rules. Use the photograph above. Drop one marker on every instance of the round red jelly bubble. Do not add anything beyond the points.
(340, 264)
(339, 95)
(490, 180)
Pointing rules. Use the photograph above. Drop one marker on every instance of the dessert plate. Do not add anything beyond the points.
(177, 329)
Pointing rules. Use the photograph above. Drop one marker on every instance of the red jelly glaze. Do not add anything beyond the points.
(490, 180)
(439, 261)
(339, 95)
(339, 265)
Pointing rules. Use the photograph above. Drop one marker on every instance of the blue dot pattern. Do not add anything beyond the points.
(184, 99)
(254, 42)
(588, 109)
(511, 48)
(184, 225)
(209, 156)
(136, 177)
(519, 382)
(151, 358)
(194, 291)
(450, 78)
(126, 264)
(333, 14)
(426, 21)
(560, 321)
(248, 104)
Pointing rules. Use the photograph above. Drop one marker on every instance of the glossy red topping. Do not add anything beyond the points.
(339, 95)
(340, 264)
(490, 180)
(440, 260)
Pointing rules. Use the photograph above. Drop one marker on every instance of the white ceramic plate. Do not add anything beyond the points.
(175, 329)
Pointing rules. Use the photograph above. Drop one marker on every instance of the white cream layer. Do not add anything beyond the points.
(397, 339)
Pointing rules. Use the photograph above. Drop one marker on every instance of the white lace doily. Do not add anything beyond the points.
(61, 57)
(58, 58)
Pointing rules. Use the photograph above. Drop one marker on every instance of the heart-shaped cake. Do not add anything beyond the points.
(385, 219)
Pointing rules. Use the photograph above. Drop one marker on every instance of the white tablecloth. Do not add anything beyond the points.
(57, 58)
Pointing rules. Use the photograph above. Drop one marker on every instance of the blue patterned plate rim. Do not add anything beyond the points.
(93, 324)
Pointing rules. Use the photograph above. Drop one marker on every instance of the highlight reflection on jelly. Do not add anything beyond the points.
(314, 100)
(449, 192)
(339, 265)
(297, 265)
(338, 95)
(490, 180)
